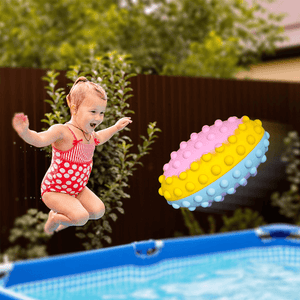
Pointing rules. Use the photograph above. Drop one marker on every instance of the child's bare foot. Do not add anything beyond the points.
(51, 225)
(61, 227)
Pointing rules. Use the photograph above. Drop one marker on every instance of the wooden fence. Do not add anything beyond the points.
(180, 105)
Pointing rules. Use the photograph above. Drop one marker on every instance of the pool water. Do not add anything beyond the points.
(271, 273)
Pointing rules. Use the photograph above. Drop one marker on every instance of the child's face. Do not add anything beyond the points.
(90, 113)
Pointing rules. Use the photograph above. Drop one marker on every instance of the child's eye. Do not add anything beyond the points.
(93, 111)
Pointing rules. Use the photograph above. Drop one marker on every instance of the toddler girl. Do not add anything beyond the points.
(63, 188)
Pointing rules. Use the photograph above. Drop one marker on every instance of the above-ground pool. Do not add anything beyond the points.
(262, 263)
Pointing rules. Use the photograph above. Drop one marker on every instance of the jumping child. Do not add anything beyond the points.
(63, 188)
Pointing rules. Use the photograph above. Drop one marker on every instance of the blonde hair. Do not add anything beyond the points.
(78, 92)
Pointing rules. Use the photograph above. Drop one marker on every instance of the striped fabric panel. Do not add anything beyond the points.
(81, 153)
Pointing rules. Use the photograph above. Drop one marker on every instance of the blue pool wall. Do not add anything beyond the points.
(137, 253)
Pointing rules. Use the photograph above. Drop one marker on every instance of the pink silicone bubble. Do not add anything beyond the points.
(206, 141)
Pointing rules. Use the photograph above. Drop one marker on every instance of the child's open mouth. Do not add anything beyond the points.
(93, 125)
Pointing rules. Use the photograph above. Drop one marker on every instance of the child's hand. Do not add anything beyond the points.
(123, 123)
(20, 123)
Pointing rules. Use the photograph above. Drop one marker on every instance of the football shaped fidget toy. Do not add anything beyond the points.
(214, 162)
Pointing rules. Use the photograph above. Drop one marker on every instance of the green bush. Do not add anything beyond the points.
(193, 225)
(27, 237)
(114, 161)
(289, 201)
(242, 219)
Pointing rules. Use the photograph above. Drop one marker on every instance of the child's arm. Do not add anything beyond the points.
(38, 139)
(105, 134)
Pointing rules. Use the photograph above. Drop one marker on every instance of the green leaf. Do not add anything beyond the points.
(113, 216)
(120, 210)
(107, 239)
(80, 235)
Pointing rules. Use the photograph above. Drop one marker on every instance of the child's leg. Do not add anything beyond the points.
(92, 204)
(69, 211)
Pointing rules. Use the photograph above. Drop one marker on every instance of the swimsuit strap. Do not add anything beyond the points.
(72, 133)
(75, 142)
(97, 142)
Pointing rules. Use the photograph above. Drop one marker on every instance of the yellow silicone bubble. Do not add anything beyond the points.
(211, 166)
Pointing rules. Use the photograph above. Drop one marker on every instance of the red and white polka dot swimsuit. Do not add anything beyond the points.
(70, 170)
